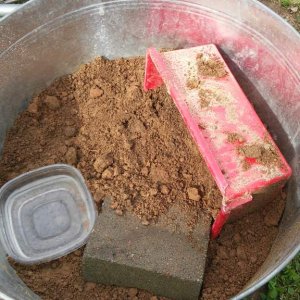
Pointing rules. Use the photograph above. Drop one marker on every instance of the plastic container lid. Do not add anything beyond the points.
(45, 214)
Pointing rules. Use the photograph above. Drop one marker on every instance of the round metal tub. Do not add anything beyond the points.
(48, 38)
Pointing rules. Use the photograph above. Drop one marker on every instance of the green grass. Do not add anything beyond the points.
(286, 285)
(285, 3)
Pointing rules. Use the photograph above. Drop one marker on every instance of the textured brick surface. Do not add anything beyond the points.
(165, 258)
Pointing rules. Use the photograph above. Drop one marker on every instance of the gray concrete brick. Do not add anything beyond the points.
(165, 259)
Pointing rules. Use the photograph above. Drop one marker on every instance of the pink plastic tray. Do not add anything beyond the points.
(238, 150)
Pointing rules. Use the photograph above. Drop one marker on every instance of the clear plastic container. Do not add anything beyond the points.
(45, 214)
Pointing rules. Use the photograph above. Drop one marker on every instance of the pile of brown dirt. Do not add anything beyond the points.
(240, 250)
(134, 147)
(130, 145)
(61, 280)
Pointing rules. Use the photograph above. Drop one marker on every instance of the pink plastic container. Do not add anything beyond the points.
(237, 148)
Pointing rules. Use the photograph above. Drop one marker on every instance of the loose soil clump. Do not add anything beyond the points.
(133, 147)
(210, 66)
(234, 138)
(264, 154)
